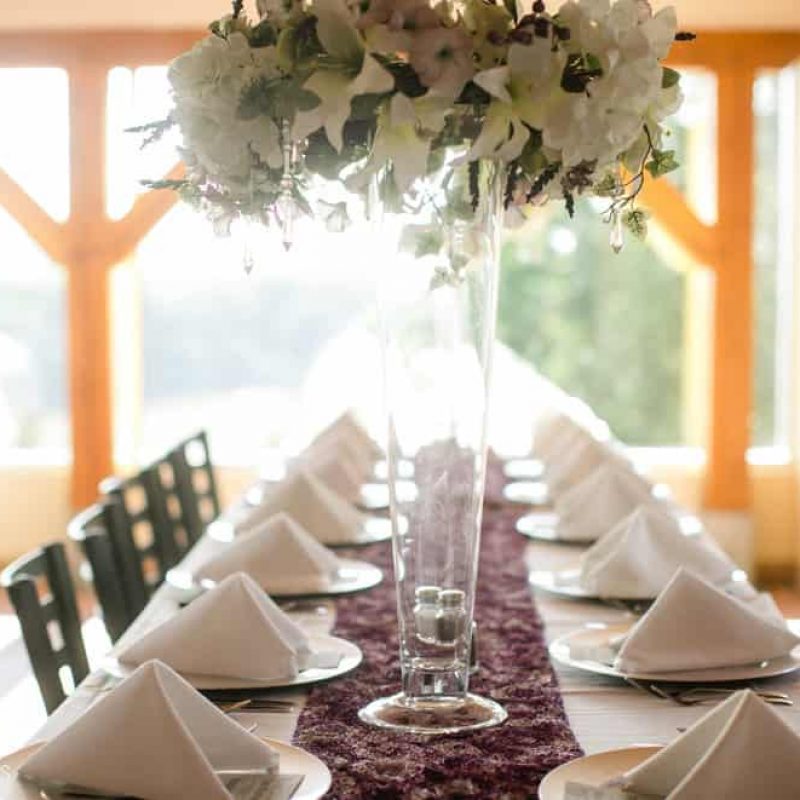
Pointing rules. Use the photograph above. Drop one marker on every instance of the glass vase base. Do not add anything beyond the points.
(433, 716)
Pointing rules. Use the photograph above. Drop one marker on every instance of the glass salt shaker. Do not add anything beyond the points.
(426, 609)
(450, 619)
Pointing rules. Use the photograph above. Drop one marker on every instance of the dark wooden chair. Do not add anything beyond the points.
(115, 570)
(46, 569)
(193, 475)
(147, 538)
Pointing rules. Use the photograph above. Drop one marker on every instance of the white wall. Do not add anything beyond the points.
(35, 504)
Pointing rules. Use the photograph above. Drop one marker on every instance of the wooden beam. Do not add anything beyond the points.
(108, 48)
(673, 213)
(37, 223)
(727, 483)
(90, 365)
(147, 210)
(719, 50)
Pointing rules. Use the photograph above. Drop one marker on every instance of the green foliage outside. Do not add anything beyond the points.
(605, 327)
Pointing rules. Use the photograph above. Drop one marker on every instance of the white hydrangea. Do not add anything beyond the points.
(207, 84)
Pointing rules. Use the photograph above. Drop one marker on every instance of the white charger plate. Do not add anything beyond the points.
(530, 469)
(543, 526)
(594, 770)
(375, 496)
(374, 531)
(598, 635)
(567, 583)
(561, 582)
(293, 761)
(405, 469)
(351, 657)
(526, 493)
(353, 576)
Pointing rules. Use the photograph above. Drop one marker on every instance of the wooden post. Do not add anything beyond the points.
(727, 484)
(90, 374)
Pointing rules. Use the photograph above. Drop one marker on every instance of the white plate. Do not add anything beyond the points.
(594, 770)
(293, 761)
(566, 583)
(351, 658)
(353, 576)
(405, 469)
(602, 636)
(375, 496)
(526, 493)
(374, 531)
(543, 526)
(562, 582)
(530, 469)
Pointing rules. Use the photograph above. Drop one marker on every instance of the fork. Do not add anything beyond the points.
(696, 695)
(255, 704)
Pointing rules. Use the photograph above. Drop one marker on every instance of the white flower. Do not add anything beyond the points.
(403, 139)
(442, 59)
(335, 88)
(212, 66)
(397, 15)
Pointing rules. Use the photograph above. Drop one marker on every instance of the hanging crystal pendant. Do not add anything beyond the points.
(616, 237)
(286, 205)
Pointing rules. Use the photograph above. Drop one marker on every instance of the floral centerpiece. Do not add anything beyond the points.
(444, 116)
(571, 102)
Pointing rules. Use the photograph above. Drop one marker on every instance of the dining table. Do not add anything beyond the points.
(556, 713)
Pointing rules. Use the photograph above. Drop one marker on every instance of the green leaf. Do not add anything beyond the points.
(669, 77)
(635, 221)
(422, 240)
(607, 186)
(661, 162)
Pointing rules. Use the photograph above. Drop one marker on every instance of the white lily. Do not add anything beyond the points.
(516, 104)
(403, 138)
(336, 88)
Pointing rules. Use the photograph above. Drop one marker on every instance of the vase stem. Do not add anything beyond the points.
(438, 310)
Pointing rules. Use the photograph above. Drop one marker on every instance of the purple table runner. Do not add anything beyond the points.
(503, 763)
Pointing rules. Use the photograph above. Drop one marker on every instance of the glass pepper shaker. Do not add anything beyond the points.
(451, 616)
(426, 609)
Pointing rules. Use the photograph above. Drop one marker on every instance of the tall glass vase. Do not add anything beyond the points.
(437, 251)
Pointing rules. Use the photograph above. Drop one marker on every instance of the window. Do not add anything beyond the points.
(607, 328)
(230, 351)
(34, 152)
(775, 112)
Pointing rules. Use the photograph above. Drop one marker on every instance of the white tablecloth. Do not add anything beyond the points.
(603, 713)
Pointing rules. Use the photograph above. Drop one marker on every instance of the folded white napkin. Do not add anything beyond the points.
(337, 447)
(154, 737)
(552, 433)
(637, 558)
(594, 506)
(349, 428)
(279, 555)
(740, 750)
(234, 630)
(323, 513)
(336, 470)
(582, 456)
(694, 625)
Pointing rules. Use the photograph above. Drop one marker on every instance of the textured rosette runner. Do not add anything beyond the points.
(503, 763)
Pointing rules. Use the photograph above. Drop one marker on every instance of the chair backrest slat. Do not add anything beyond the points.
(119, 589)
(191, 461)
(37, 611)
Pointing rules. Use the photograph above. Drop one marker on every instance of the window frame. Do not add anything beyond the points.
(723, 247)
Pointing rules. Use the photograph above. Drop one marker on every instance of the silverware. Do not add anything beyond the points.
(696, 695)
(254, 704)
(644, 687)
